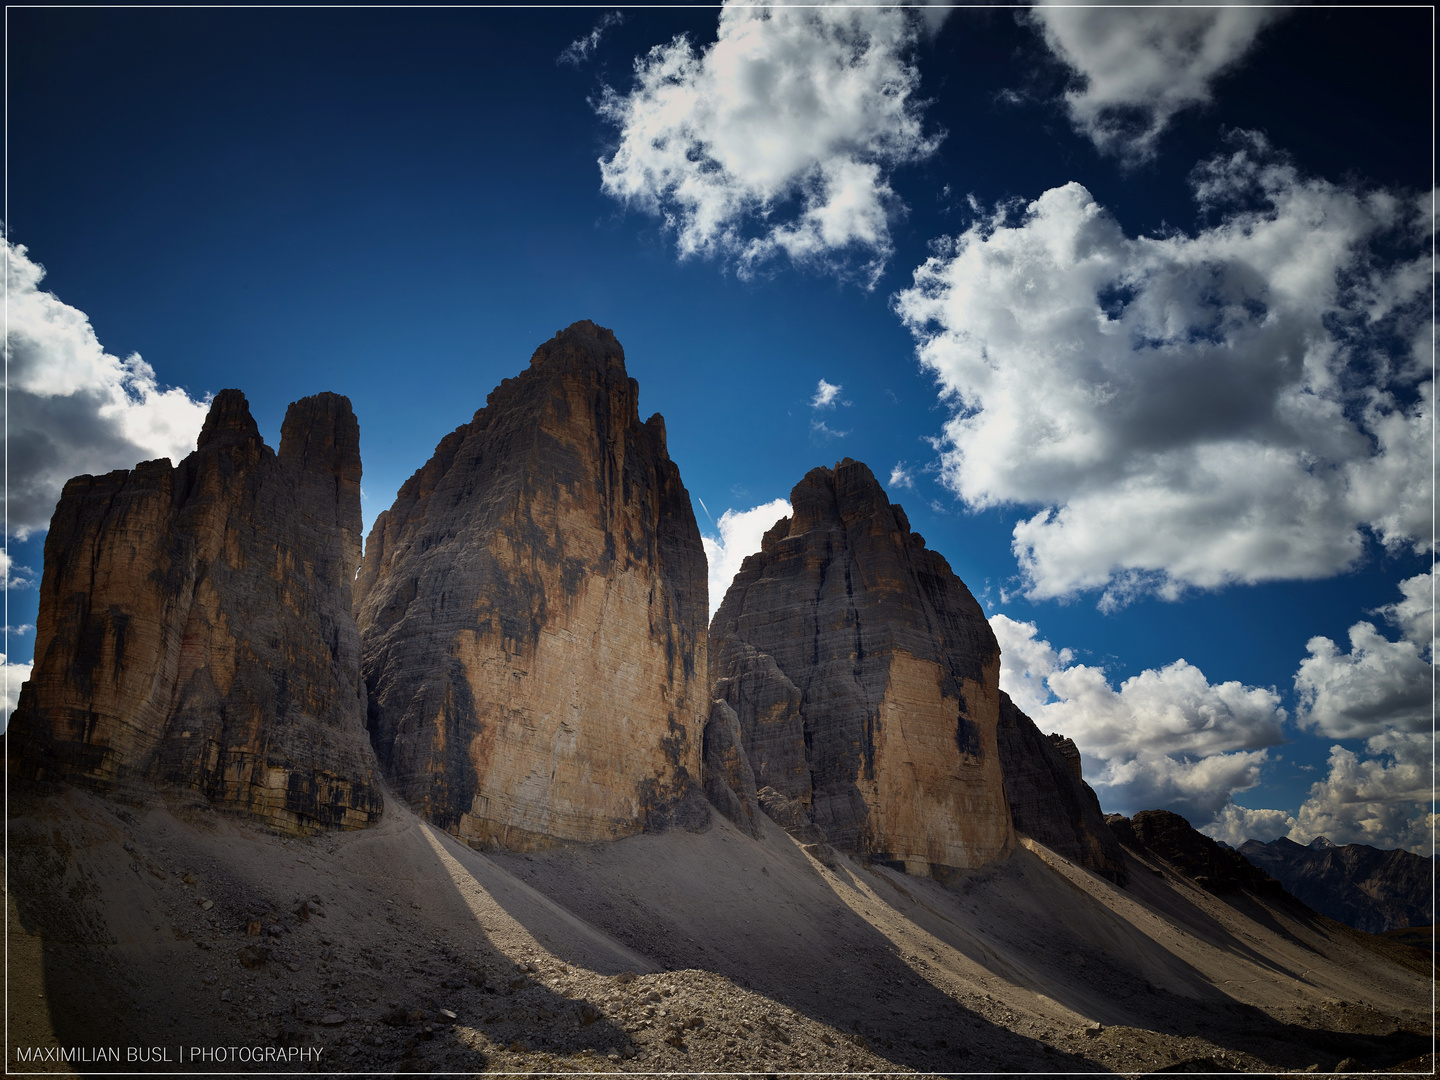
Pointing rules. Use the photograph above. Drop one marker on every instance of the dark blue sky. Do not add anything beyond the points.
(399, 205)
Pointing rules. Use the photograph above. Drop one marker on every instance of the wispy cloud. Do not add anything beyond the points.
(901, 477)
(579, 50)
(13, 575)
(822, 430)
(73, 407)
(778, 139)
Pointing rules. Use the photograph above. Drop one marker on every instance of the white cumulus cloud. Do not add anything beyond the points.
(1383, 796)
(73, 407)
(1026, 662)
(11, 676)
(1236, 824)
(1415, 614)
(778, 138)
(1380, 686)
(1385, 799)
(1164, 738)
(740, 534)
(1187, 410)
(825, 395)
(1136, 67)
(901, 477)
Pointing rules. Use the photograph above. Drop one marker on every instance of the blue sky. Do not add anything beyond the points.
(1129, 308)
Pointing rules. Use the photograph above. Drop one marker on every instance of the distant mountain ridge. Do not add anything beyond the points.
(1362, 886)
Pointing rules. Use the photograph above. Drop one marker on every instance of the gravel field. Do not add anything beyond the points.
(193, 942)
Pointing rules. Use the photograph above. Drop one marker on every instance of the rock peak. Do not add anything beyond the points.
(841, 647)
(584, 342)
(228, 421)
(545, 547)
(213, 650)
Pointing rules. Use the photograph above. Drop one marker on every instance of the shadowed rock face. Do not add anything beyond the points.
(1166, 835)
(533, 615)
(1049, 800)
(1362, 886)
(195, 625)
(865, 681)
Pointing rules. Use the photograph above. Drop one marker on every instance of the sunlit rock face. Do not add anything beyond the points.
(865, 680)
(1049, 799)
(533, 615)
(195, 628)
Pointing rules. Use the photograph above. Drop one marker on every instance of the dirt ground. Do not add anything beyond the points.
(173, 939)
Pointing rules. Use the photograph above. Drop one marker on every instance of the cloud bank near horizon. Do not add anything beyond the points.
(1168, 738)
(1171, 739)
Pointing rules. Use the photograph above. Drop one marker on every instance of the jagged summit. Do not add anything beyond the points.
(228, 421)
(581, 342)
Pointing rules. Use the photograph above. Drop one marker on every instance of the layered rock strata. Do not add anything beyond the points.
(195, 625)
(865, 681)
(533, 615)
(1049, 799)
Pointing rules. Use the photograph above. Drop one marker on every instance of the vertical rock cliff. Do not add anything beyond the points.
(533, 615)
(865, 682)
(1049, 799)
(195, 625)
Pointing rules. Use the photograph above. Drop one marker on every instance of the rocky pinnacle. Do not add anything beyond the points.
(533, 615)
